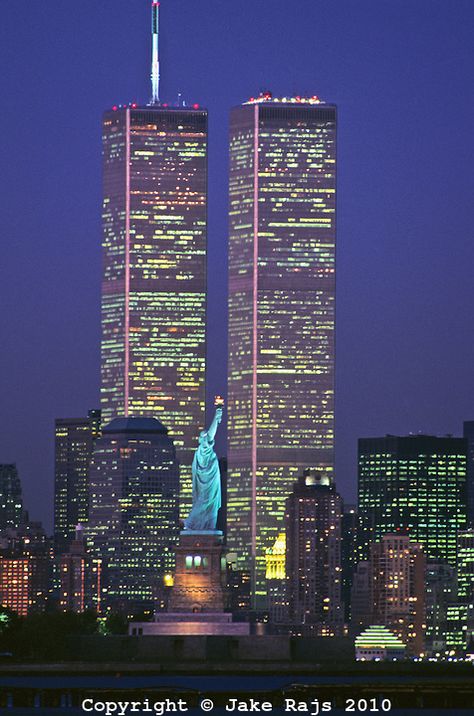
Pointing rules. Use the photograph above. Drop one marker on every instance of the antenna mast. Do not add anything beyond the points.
(155, 61)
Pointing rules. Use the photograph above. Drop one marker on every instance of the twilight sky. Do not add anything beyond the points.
(401, 73)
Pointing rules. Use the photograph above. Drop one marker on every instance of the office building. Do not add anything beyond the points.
(350, 522)
(133, 512)
(276, 581)
(26, 561)
(313, 556)
(361, 607)
(80, 578)
(397, 589)
(465, 565)
(415, 485)
(238, 587)
(468, 433)
(441, 596)
(11, 503)
(154, 266)
(281, 314)
(24, 584)
(74, 442)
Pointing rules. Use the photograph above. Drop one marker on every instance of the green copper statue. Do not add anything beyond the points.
(206, 479)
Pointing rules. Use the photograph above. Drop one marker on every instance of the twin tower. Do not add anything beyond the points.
(281, 309)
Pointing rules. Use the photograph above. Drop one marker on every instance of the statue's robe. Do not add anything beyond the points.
(206, 487)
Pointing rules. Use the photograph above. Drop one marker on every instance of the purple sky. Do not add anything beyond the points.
(401, 74)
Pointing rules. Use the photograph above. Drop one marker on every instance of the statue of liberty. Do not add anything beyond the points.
(206, 479)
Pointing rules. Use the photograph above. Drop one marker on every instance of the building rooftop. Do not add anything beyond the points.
(135, 425)
(180, 107)
(267, 97)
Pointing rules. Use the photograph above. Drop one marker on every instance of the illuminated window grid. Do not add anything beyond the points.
(154, 289)
(415, 485)
(11, 502)
(134, 513)
(74, 441)
(281, 316)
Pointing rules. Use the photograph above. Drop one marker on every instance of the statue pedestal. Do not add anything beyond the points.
(200, 573)
(197, 599)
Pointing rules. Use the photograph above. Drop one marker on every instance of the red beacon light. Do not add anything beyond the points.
(114, 108)
(134, 105)
(195, 106)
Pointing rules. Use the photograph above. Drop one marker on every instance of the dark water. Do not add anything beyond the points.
(67, 691)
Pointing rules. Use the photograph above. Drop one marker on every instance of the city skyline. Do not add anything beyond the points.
(53, 318)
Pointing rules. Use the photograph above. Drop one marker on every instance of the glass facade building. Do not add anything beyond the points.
(74, 442)
(154, 270)
(133, 512)
(468, 434)
(466, 565)
(313, 557)
(281, 314)
(11, 502)
(414, 485)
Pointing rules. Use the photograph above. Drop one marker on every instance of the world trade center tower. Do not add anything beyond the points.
(281, 314)
(154, 266)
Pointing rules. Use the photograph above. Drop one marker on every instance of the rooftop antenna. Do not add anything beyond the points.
(155, 59)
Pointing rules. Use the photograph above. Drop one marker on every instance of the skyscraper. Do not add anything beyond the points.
(74, 442)
(466, 565)
(415, 485)
(350, 521)
(397, 588)
(468, 433)
(133, 511)
(281, 313)
(154, 265)
(313, 556)
(11, 503)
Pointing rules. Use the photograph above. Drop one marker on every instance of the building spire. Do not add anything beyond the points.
(155, 61)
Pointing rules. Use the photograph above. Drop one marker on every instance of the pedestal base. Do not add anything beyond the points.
(216, 624)
(199, 580)
(197, 600)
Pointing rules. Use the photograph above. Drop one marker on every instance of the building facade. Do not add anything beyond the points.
(361, 609)
(11, 502)
(26, 562)
(415, 485)
(276, 581)
(74, 442)
(441, 595)
(350, 521)
(468, 434)
(313, 556)
(134, 512)
(397, 589)
(80, 578)
(465, 566)
(281, 314)
(154, 270)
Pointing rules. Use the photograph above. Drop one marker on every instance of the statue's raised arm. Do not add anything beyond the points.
(215, 423)
(206, 480)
